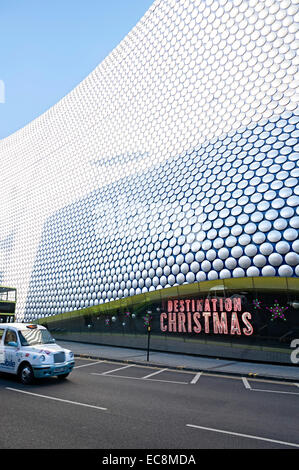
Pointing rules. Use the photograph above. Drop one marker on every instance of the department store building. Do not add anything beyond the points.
(162, 192)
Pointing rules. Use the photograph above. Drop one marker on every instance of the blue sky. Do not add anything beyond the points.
(48, 46)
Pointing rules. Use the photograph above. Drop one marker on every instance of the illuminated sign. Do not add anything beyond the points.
(218, 316)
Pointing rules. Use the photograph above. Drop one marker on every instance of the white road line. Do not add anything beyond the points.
(57, 399)
(244, 435)
(246, 383)
(154, 373)
(248, 386)
(274, 391)
(166, 381)
(142, 378)
(89, 364)
(195, 378)
(115, 370)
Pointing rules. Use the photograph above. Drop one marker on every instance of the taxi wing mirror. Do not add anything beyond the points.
(13, 344)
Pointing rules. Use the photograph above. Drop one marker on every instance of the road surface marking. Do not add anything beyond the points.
(246, 383)
(244, 435)
(166, 381)
(57, 399)
(142, 378)
(154, 373)
(89, 364)
(248, 386)
(195, 379)
(115, 370)
(252, 379)
(274, 391)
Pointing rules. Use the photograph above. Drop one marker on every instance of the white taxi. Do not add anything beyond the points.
(29, 351)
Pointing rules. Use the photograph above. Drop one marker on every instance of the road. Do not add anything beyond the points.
(110, 405)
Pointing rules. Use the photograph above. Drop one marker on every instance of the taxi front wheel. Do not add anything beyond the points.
(26, 374)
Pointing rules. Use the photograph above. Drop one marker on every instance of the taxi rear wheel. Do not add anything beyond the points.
(26, 374)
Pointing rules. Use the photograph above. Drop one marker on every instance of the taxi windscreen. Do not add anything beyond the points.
(36, 336)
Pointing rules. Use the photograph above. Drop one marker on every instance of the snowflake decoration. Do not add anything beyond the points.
(257, 304)
(277, 311)
(147, 319)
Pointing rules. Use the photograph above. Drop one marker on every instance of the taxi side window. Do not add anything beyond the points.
(1, 334)
(10, 336)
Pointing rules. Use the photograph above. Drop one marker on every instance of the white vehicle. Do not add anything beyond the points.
(29, 351)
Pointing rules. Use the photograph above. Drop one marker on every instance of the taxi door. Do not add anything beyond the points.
(10, 346)
(2, 358)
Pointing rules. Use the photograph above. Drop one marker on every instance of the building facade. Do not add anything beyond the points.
(175, 162)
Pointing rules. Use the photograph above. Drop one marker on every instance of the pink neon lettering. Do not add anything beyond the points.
(197, 328)
(228, 305)
(237, 304)
(189, 322)
(235, 327)
(172, 322)
(206, 316)
(220, 326)
(249, 328)
(162, 317)
(181, 323)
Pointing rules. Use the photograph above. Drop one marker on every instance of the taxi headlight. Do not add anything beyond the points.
(42, 358)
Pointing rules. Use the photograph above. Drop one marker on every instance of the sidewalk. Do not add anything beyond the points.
(185, 362)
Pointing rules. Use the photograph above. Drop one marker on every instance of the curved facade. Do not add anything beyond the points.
(175, 161)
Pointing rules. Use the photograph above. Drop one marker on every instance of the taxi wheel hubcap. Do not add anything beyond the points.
(26, 374)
